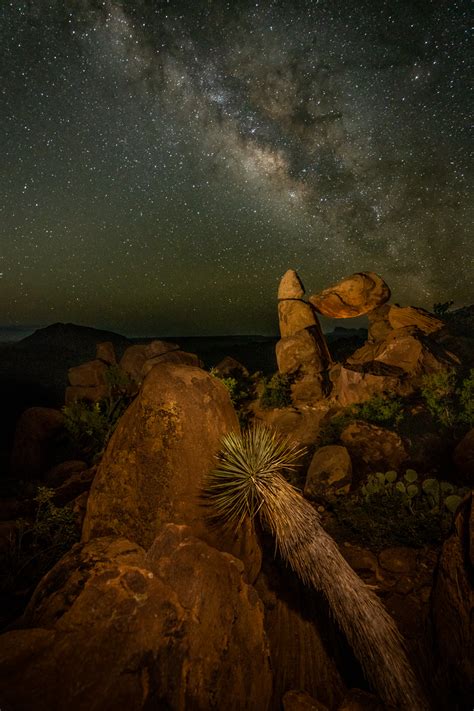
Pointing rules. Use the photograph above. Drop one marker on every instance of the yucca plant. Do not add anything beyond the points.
(249, 481)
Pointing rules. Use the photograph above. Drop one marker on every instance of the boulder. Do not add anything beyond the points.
(37, 434)
(398, 559)
(353, 296)
(115, 628)
(354, 386)
(106, 352)
(464, 457)
(230, 367)
(294, 315)
(302, 425)
(76, 484)
(154, 468)
(291, 286)
(304, 351)
(91, 374)
(135, 357)
(451, 611)
(330, 472)
(405, 351)
(358, 700)
(391, 317)
(179, 357)
(373, 448)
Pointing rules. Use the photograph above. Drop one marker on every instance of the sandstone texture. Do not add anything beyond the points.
(291, 286)
(373, 448)
(353, 296)
(105, 351)
(330, 472)
(154, 468)
(111, 627)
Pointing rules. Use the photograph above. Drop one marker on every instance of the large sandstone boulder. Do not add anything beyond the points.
(330, 472)
(37, 435)
(291, 286)
(155, 464)
(353, 386)
(405, 351)
(293, 316)
(353, 296)
(391, 317)
(138, 360)
(451, 608)
(373, 448)
(115, 628)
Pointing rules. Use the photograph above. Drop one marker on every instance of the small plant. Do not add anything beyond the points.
(90, 424)
(37, 545)
(386, 411)
(241, 389)
(276, 392)
(440, 309)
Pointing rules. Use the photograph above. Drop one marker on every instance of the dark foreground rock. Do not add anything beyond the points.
(112, 627)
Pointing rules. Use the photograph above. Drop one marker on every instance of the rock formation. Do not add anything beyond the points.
(353, 296)
(302, 352)
(153, 469)
(113, 627)
(330, 472)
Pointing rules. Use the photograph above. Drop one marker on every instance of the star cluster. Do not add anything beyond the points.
(164, 162)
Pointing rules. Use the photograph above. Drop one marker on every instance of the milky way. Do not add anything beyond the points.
(165, 162)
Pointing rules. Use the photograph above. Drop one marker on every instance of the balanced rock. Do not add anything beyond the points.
(154, 468)
(353, 296)
(329, 473)
(291, 286)
(295, 315)
(115, 628)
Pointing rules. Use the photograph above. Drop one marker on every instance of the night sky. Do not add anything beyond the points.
(164, 163)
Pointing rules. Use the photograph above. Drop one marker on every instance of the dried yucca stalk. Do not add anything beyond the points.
(249, 481)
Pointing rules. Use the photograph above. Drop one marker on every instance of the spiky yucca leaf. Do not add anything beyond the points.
(248, 464)
(248, 481)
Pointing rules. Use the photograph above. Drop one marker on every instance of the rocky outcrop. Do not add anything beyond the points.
(155, 464)
(302, 352)
(373, 448)
(353, 296)
(35, 446)
(391, 317)
(354, 386)
(88, 382)
(137, 361)
(451, 607)
(112, 627)
(329, 474)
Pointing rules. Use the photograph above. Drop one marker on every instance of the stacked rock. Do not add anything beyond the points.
(302, 351)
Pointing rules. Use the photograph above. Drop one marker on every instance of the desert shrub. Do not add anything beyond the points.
(390, 510)
(380, 410)
(466, 400)
(450, 402)
(38, 544)
(90, 424)
(241, 389)
(440, 309)
(276, 392)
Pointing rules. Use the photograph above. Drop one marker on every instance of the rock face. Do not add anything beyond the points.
(330, 472)
(137, 361)
(373, 448)
(154, 467)
(176, 628)
(302, 351)
(353, 296)
(353, 386)
(452, 603)
(464, 457)
(391, 317)
(36, 440)
(87, 382)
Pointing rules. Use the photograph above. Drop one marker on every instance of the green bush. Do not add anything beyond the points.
(241, 389)
(276, 392)
(381, 410)
(450, 402)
